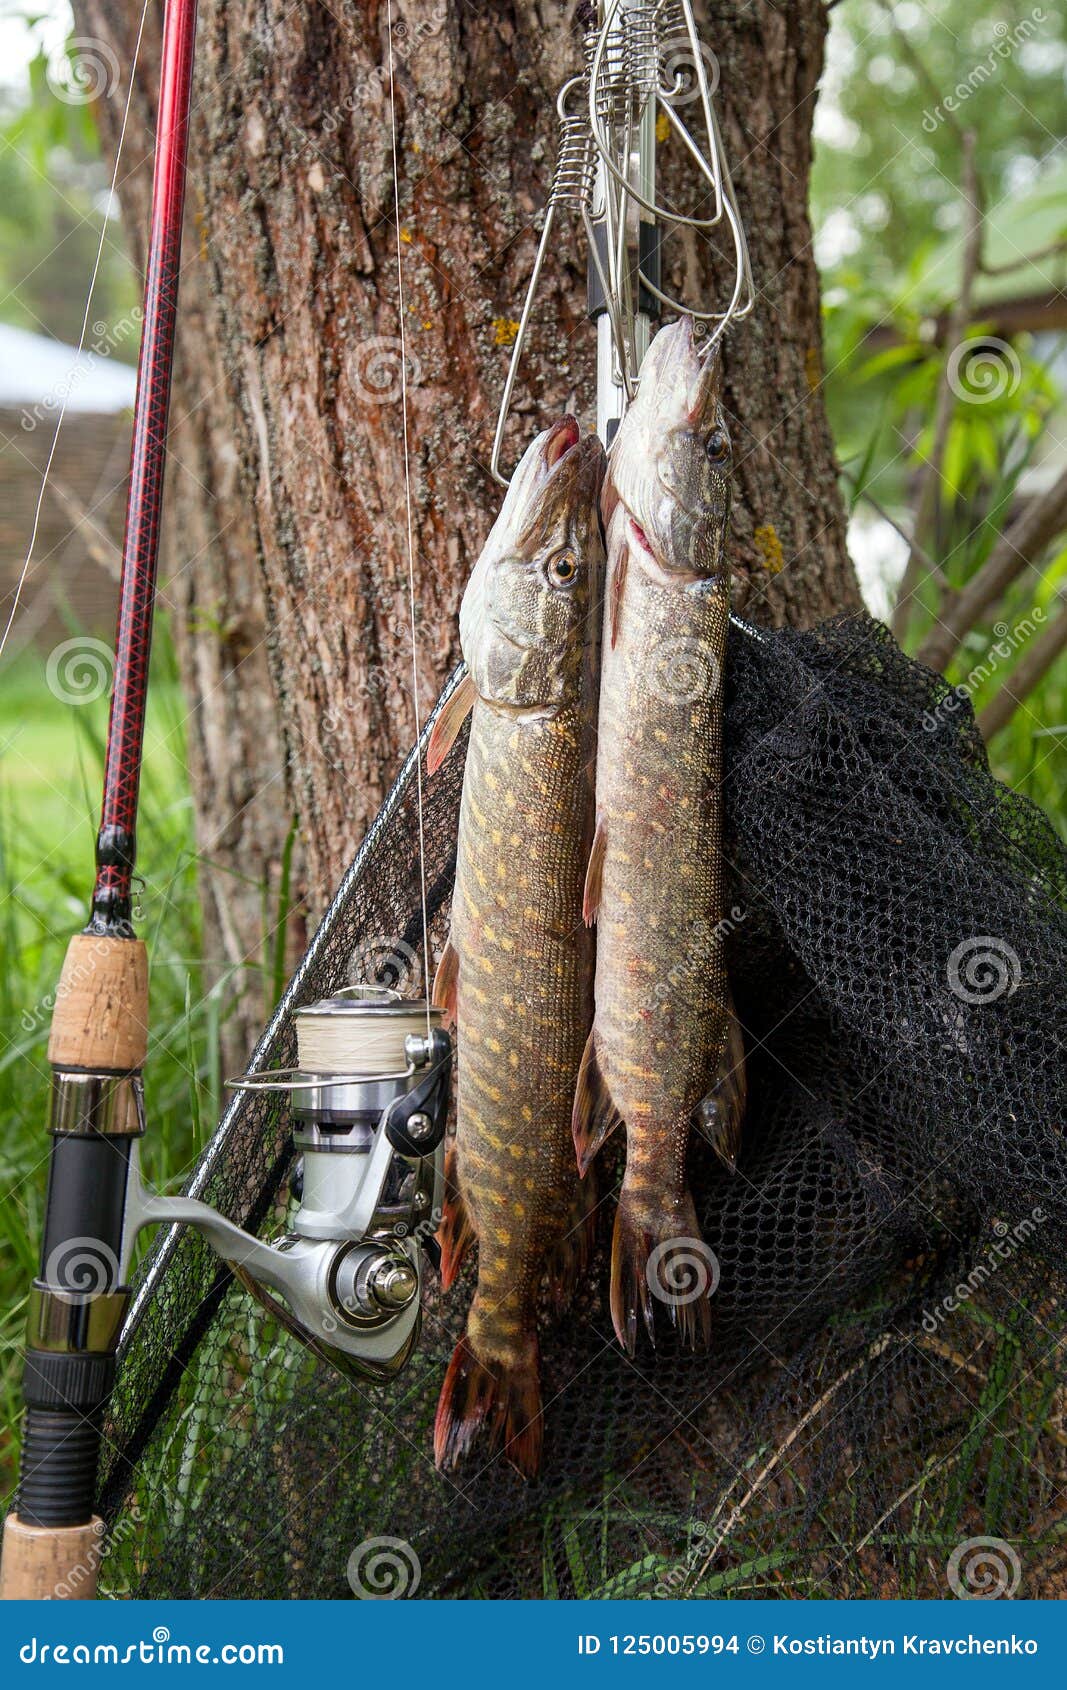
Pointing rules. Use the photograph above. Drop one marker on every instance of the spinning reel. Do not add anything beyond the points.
(369, 1102)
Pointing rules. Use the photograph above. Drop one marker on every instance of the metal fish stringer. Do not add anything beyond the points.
(643, 62)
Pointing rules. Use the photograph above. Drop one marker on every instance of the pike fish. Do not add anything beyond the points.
(664, 1053)
(517, 975)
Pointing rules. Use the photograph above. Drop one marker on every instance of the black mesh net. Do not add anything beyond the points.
(882, 1411)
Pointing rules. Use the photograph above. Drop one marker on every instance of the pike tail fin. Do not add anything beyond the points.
(504, 1401)
(660, 1257)
(594, 1116)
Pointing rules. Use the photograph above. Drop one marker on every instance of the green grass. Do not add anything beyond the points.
(51, 759)
(51, 756)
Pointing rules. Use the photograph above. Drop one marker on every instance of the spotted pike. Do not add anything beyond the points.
(662, 1054)
(517, 975)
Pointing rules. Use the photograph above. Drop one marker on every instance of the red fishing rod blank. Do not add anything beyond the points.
(116, 843)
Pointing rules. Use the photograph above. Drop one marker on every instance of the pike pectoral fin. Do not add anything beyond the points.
(720, 1114)
(445, 731)
(615, 590)
(505, 1400)
(446, 983)
(594, 875)
(456, 1234)
(594, 1117)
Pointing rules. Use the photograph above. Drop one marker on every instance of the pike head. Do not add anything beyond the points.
(670, 464)
(528, 618)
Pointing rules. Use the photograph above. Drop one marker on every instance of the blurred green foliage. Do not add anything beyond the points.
(891, 212)
(54, 194)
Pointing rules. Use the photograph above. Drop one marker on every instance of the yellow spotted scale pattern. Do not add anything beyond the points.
(525, 1004)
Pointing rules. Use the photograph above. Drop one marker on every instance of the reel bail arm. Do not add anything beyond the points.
(350, 1267)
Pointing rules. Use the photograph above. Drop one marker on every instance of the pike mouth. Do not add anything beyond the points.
(562, 437)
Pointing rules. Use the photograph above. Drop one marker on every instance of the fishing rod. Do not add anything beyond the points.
(369, 1095)
(99, 1034)
(368, 1101)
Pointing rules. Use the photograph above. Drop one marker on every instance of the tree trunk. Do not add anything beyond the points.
(287, 493)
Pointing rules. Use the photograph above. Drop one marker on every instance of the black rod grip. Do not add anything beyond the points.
(57, 1478)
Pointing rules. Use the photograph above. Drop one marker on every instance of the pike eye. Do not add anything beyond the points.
(718, 446)
(562, 568)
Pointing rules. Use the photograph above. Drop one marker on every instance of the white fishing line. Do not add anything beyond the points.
(356, 1039)
(407, 507)
(81, 338)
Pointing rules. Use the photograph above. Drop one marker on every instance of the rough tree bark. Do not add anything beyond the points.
(288, 525)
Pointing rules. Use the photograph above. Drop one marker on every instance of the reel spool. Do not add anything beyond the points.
(369, 1102)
